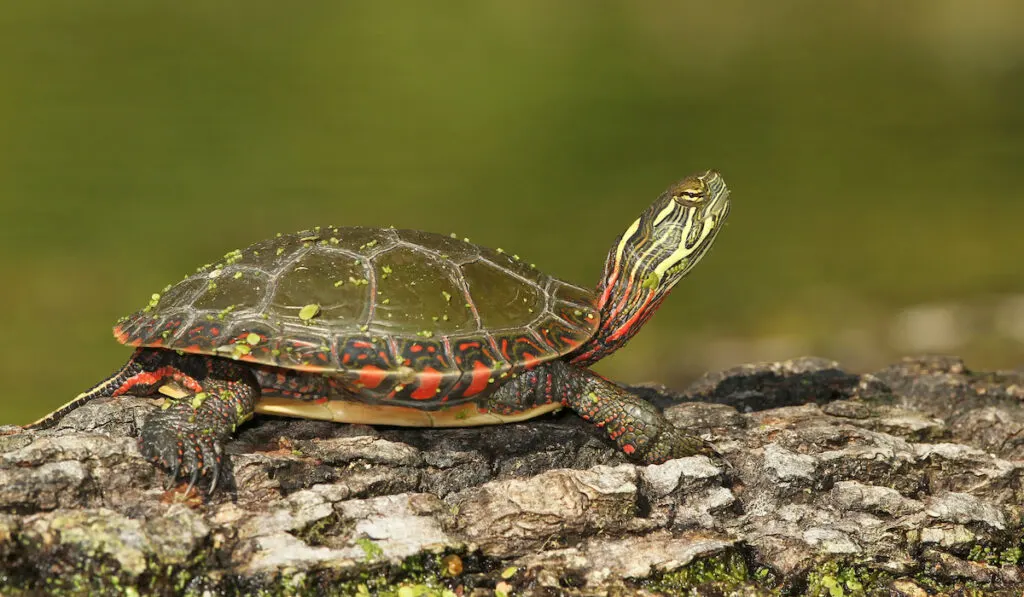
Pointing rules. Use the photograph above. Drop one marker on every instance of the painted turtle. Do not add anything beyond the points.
(403, 327)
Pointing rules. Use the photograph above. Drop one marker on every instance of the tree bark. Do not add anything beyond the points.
(903, 481)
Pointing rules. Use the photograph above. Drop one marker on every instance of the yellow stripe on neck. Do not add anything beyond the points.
(682, 251)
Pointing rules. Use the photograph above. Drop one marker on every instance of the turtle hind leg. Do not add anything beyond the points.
(187, 437)
(142, 375)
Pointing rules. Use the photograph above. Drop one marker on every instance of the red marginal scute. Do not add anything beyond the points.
(481, 373)
(429, 382)
(371, 376)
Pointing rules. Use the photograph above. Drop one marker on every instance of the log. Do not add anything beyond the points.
(904, 481)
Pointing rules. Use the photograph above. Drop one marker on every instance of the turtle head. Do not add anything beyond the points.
(652, 255)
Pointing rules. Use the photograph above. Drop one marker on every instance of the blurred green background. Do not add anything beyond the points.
(875, 152)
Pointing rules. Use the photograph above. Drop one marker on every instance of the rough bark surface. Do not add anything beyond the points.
(906, 481)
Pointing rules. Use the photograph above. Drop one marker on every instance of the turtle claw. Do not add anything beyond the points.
(185, 452)
(214, 468)
(192, 481)
(206, 461)
(169, 483)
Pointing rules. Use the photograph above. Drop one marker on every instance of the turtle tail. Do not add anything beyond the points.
(104, 389)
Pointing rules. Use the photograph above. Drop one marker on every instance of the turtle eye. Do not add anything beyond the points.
(691, 192)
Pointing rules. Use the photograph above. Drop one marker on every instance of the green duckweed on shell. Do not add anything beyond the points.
(154, 300)
(308, 312)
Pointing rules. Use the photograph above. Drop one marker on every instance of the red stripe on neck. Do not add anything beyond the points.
(628, 325)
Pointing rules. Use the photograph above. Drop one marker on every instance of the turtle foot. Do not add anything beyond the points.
(674, 443)
(184, 450)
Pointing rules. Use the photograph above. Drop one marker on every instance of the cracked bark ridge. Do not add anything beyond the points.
(906, 480)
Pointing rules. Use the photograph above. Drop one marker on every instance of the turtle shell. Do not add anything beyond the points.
(390, 314)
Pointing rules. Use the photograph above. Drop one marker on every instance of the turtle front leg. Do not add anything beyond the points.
(638, 428)
(186, 437)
